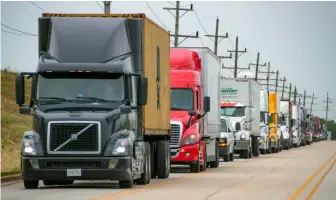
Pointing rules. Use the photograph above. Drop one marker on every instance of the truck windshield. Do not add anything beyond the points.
(90, 85)
(181, 99)
(233, 111)
(223, 126)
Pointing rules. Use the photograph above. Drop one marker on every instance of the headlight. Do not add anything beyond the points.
(273, 139)
(222, 142)
(262, 139)
(28, 146)
(121, 147)
(243, 136)
(286, 135)
(191, 139)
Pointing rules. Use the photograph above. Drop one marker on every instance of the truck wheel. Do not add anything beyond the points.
(30, 184)
(250, 153)
(246, 154)
(255, 146)
(204, 166)
(195, 167)
(153, 156)
(231, 156)
(146, 175)
(126, 184)
(163, 159)
(215, 164)
(226, 158)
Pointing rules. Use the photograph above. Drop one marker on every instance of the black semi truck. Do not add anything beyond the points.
(100, 101)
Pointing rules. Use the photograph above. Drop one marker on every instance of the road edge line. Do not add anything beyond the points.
(306, 183)
(320, 181)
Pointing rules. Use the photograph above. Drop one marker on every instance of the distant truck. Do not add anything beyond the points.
(100, 98)
(296, 126)
(226, 140)
(318, 128)
(273, 110)
(265, 119)
(195, 127)
(240, 101)
(304, 135)
(309, 129)
(285, 123)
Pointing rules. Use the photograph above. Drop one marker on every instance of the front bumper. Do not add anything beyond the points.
(263, 145)
(242, 144)
(93, 168)
(185, 155)
(286, 142)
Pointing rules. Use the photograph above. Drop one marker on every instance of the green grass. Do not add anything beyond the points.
(13, 124)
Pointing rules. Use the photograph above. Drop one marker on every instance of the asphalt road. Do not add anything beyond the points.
(300, 173)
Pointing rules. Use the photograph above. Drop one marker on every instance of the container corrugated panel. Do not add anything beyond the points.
(156, 65)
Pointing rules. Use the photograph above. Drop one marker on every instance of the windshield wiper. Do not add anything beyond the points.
(177, 109)
(94, 98)
(56, 98)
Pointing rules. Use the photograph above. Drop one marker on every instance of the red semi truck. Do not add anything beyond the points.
(318, 129)
(195, 129)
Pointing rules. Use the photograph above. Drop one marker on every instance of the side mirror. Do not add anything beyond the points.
(125, 109)
(192, 113)
(206, 104)
(20, 90)
(142, 91)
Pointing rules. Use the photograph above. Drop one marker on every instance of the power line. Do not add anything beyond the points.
(156, 16)
(16, 33)
(18, 30)
(99, 6)
(37, 6)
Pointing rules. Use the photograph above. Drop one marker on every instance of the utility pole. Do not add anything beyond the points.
(236, 51)
(290, 91)
(107, 7)
(283, 87)
(328, 101)
(177, 22)
(216, 36)
(268, 75)
(304, 98)
(276, 81)
(295, 91)
(257, 66)
(311, 105)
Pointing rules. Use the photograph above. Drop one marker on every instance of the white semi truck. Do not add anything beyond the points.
(285, 124)
(240, 100)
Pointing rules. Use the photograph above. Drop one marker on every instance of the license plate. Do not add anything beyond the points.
(74, 172)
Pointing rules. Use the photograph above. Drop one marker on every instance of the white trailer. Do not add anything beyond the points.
(296, 126)
(264, 143)
(244, 93)
(285, 122)
(211, 70)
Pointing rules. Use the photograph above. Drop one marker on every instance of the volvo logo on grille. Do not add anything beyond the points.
(74, 137)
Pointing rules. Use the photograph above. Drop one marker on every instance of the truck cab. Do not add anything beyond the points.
(296, 126)
(265, 119)
(226, 139)
(285, 123)
(189, 144)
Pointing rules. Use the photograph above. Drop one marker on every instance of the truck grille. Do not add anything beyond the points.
(175, 133)
(74, 137)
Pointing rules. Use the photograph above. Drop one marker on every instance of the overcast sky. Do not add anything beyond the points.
(296, 37)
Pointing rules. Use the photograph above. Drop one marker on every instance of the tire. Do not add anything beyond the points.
(250, 153)
(215, 164)
(153, 160)
(226, 158)
(30, 184)
(231, 156)
(262, 151)
(126, 184)
(163, 159)
(246, 154)
(143, 180)
(255, 146)
(195, 167)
